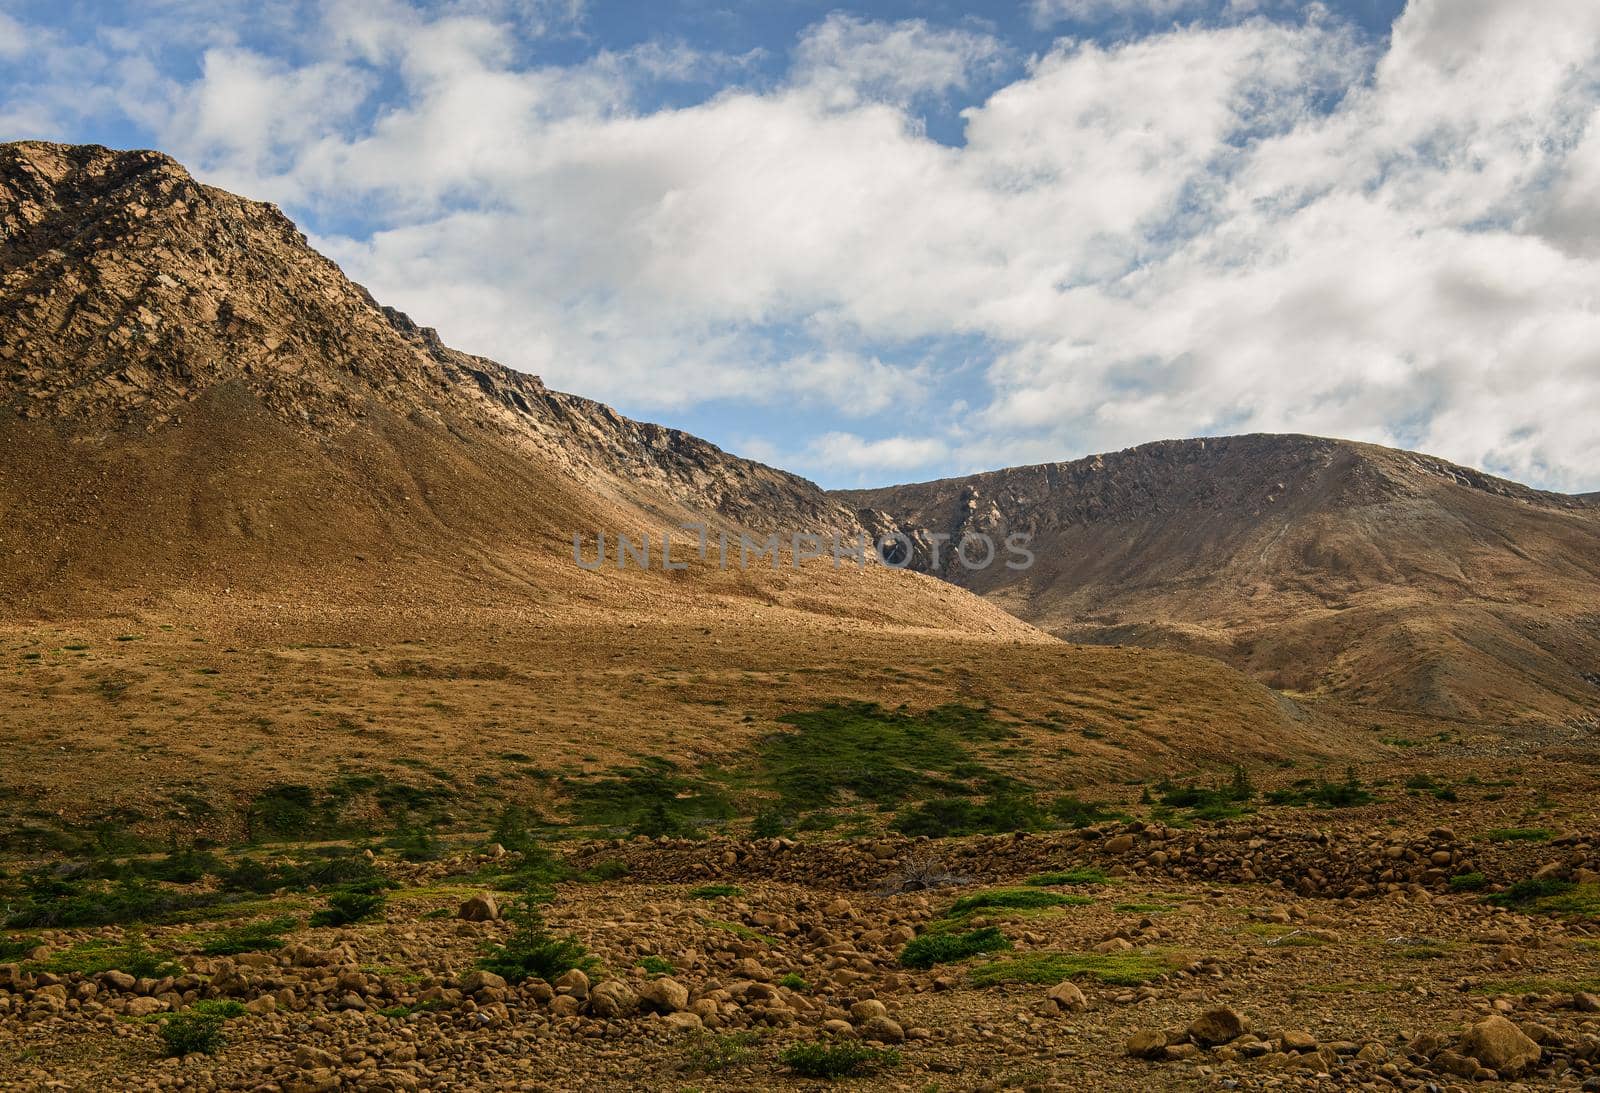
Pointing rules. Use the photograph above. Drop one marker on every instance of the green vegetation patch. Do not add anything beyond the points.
(1013, 899)
(254, 937)
(848, 1059)
(715, 891)
(1321, 793)
(192, 1032)
(945, 947)
(860, 750)
(532, 951)
(131, 955)
(653, 799)
(1088, 874)
(709, 1053)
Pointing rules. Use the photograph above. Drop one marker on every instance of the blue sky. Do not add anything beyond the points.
(891, 241)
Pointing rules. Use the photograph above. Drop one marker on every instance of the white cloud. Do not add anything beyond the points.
(13, 38)
(1269, 225)
(848, 452)
(845, 59)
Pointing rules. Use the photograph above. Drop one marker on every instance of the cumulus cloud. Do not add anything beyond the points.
(845, 59)
(848, 452)
(1241, 223)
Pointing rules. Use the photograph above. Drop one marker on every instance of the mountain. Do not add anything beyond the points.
(259, 530)
(177, 356)
(1324, 567)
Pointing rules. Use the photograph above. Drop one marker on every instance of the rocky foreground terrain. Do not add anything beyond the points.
(1419, 939)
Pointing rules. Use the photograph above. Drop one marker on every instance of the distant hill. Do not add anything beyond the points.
(1380, 576)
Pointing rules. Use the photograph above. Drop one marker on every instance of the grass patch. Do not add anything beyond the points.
(715, 891)
(1013, 899)
(653, 799)
(945, 947)
(254, 937)
(739, 929)
(1519, 835)
(1087, 875)
(794, 982)
(708, 1053)
(1468, 882)
(655, 965)
(1580, 900)
(1115, 969)
(51, 901)
(842, 1060)
(132, 955)
(1074, 813)
(1527, 893)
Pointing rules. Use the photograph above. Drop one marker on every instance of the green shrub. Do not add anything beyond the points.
(1468, 882)
(224, 1008)
(192, 1032)
(1075, 813)
(345, 908)
(656, 965)
(533, 952)
(842, 1060)
(794, 982)
(414, 844)
(1343, 794)
(942, 947)
(49, 901)
(770, 822)
(954, 816)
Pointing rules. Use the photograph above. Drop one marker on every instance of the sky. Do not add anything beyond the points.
(891, 241)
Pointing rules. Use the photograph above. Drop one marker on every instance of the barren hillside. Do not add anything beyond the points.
(1393, 579)
(260, 530)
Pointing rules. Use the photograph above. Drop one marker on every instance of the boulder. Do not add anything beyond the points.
(613, 998)
(1146, 1044)
(664, 995)
(1218, 1026)
(480, 908)
(1067, 997)
(1501, 1046)
(883, 1030)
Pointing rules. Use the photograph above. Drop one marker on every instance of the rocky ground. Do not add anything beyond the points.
(1288, 948)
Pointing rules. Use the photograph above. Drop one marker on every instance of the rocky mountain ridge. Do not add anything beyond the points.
(1322, 565)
